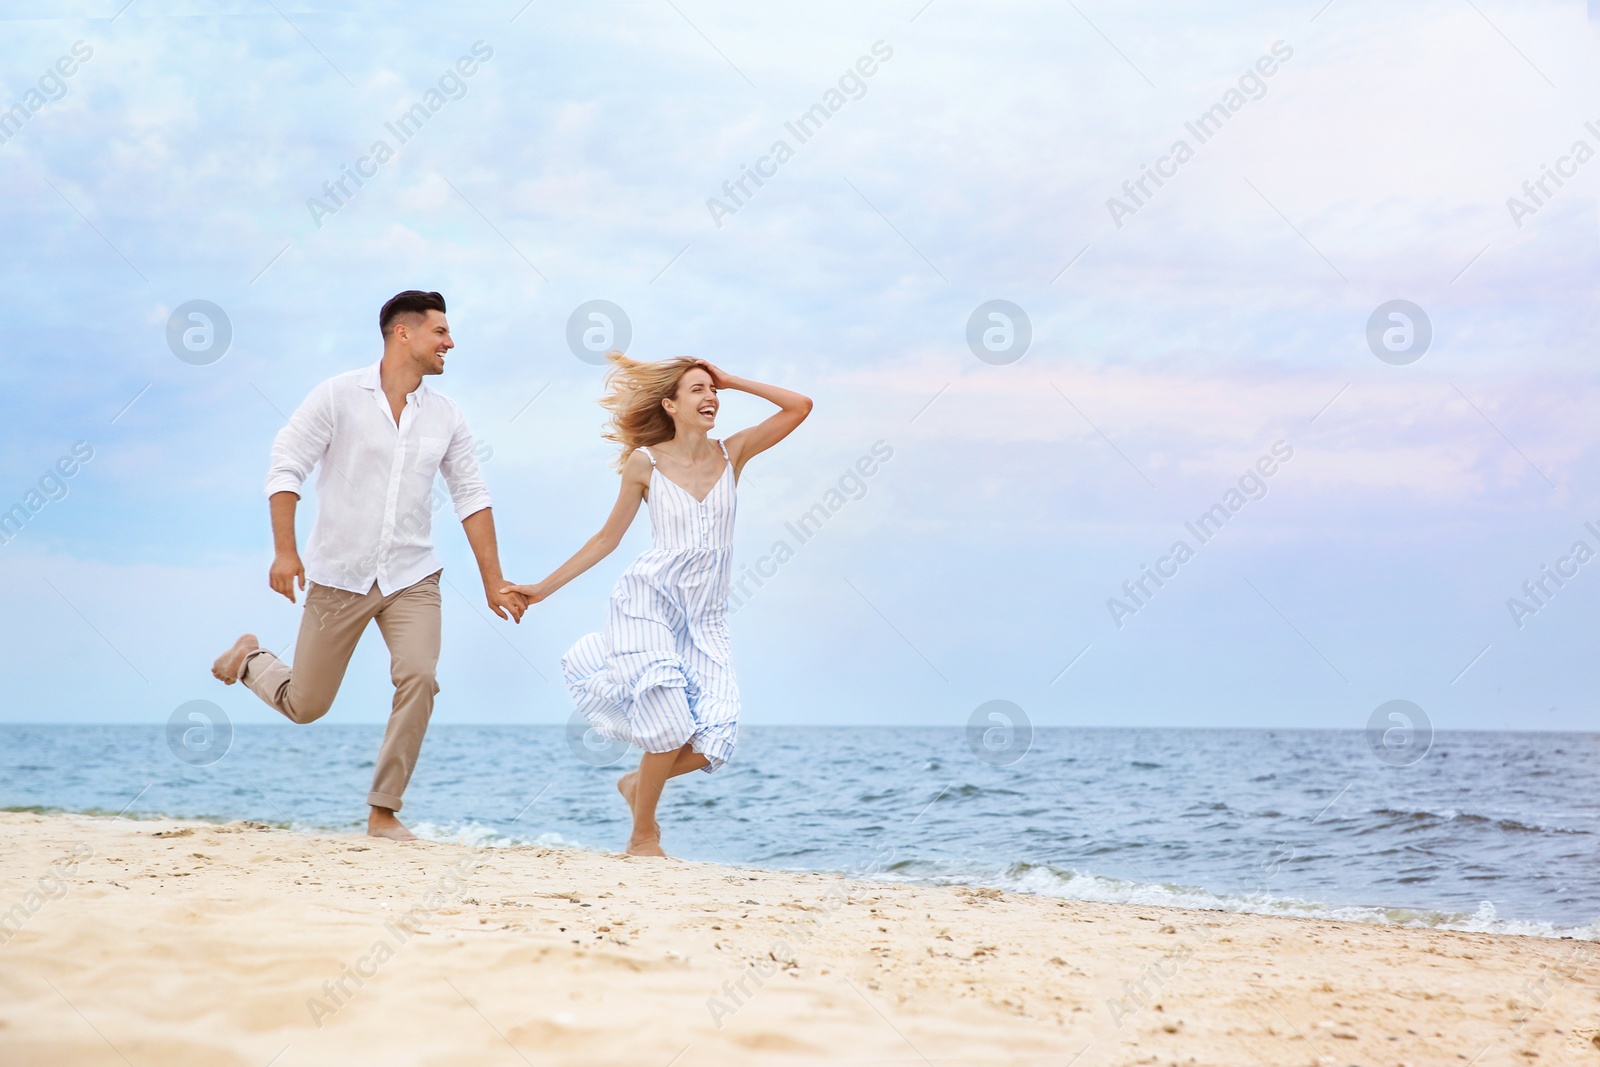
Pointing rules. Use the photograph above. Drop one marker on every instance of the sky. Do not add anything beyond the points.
(1182, 338)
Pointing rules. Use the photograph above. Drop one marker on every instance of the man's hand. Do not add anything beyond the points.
(507, 603)
(286, 569)
(531, 594)
(504, 602)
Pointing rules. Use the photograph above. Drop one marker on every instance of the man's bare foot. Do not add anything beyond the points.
(382, 823)
(230, 663)
(646, 846)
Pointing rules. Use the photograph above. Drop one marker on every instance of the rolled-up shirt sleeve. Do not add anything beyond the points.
(468, 490)
(302, 443)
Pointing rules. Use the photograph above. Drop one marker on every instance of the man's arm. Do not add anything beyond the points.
(296, 450)
(471, 498)
(480, 535)
(286, 565)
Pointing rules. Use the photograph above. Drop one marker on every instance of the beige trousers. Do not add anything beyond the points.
(332, 623)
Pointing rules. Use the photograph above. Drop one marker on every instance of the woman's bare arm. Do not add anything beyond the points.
(635, 482)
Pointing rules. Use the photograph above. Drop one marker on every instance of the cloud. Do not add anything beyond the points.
(1221, 317)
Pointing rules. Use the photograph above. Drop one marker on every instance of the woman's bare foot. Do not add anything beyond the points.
(230, 663)
(628, 785)
(382, 823)
(645, 846)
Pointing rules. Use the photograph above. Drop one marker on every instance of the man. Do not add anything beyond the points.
(381, 436)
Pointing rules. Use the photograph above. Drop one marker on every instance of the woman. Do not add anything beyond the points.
(661, 676)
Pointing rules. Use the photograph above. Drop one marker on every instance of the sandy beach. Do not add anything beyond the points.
(165, 943)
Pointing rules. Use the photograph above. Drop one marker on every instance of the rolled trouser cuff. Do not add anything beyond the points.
(244, 665)
(384, 800)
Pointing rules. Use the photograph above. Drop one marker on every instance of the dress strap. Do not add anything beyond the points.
(651, 456)
(724, 446)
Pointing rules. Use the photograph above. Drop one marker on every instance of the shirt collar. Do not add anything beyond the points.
(371, 378)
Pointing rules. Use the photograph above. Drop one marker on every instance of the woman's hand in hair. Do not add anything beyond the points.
(720, 379)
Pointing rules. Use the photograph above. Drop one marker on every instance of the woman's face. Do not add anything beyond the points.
(695, 405)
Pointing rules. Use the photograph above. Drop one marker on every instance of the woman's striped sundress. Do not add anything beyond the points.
(661, 674)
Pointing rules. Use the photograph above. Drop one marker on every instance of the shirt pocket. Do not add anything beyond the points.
(430, 451)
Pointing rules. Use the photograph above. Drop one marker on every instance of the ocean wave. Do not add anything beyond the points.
(1021, 877)
(1338, 829)
(478, 835)
(1043, 880)
(1424, 817)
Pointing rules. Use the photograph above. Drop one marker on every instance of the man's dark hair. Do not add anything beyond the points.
(412, 301)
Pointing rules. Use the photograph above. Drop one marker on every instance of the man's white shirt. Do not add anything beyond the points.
(375, 489)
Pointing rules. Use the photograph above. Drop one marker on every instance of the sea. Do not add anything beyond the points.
(1496, 832)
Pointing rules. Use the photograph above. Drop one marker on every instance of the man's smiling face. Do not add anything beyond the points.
(427, 340)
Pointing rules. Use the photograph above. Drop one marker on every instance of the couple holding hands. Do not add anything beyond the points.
(659, 677)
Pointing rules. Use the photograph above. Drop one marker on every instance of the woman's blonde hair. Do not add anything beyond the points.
(634, 392)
